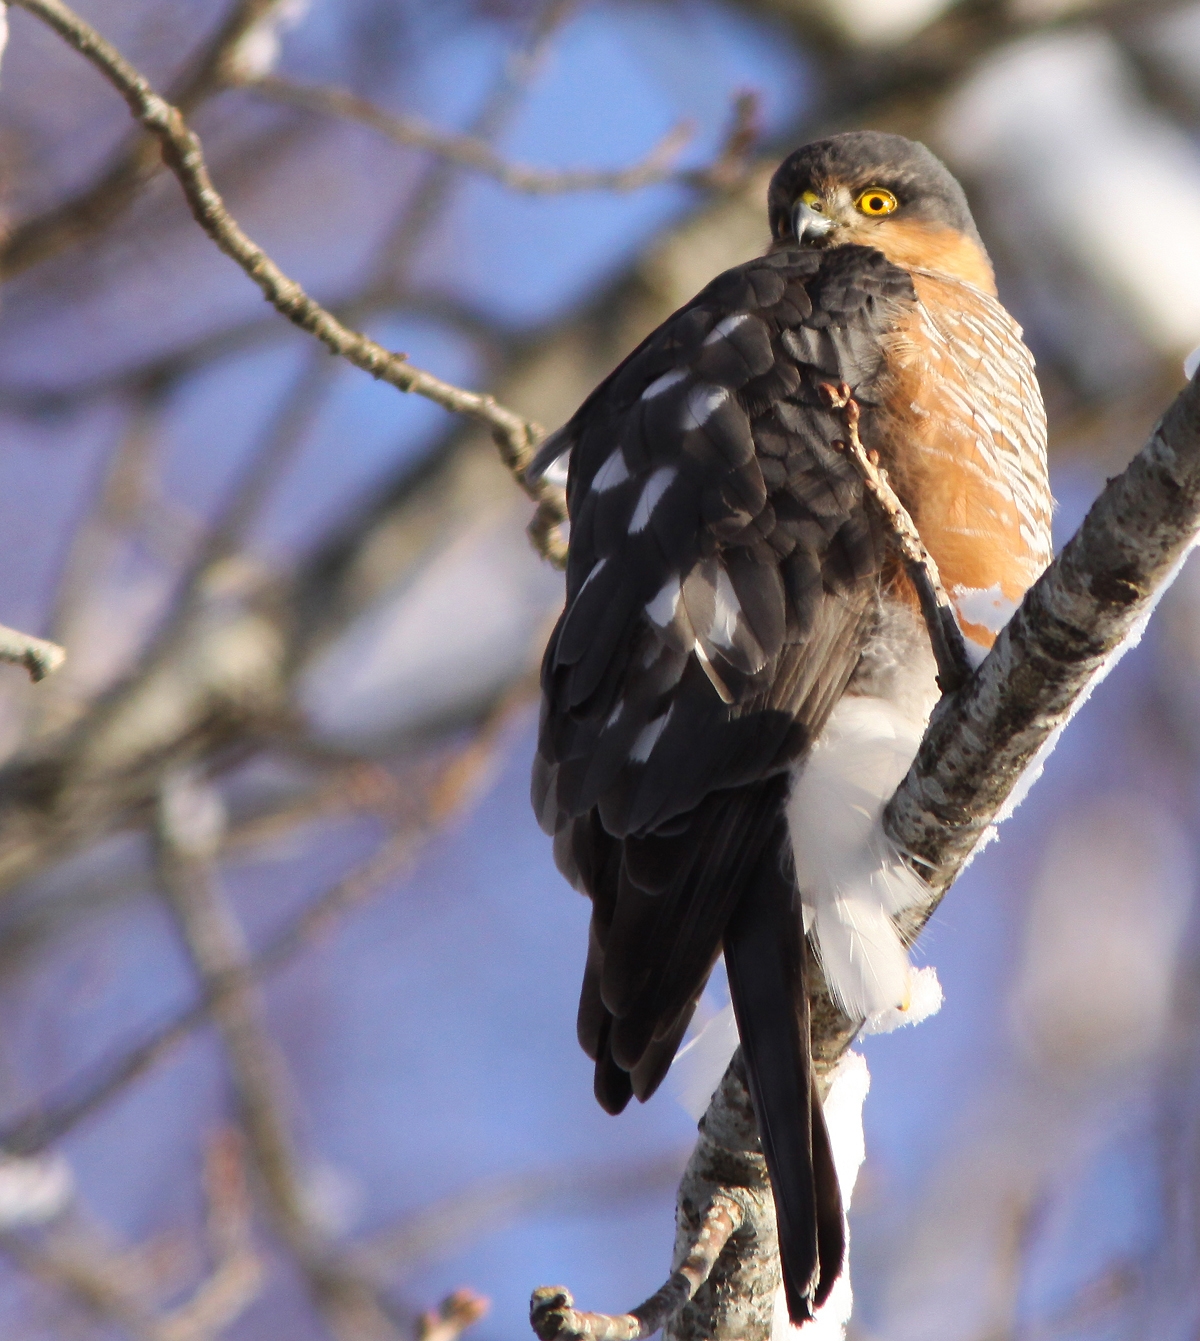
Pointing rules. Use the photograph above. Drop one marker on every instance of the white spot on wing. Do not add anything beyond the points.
(702, 402)
(656, 486)
(661, 610)
(648, 737)
(664, 383)
(613, 472)
(713, 677)
(556, 472)
(725, 611)
(723, 328)
(614, 715)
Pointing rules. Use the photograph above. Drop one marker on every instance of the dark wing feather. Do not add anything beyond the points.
(722, 577)
(712, 520)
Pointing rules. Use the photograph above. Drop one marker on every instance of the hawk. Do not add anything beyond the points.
(741, 675)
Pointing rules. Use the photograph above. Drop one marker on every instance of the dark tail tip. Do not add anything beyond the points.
(765, 953)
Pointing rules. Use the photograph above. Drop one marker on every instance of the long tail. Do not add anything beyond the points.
(765, 956)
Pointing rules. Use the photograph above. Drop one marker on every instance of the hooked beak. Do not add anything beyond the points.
(807, 223)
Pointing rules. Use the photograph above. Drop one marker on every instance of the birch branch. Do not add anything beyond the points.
(39, 657)
(725, 1267)
(1092, 601)
(450, 788)
(515, 436)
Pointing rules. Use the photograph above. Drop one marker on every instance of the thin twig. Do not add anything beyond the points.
(188, 840)
(33, 240)
(452, 787)
(726, 1242)
(475, 153)
(515, 436)
(954, 669)
(39, 657)
(452, 1317)
(552, 1311)
(237, 1273)
(734, 160)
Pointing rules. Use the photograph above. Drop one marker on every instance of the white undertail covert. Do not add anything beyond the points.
(851, 878)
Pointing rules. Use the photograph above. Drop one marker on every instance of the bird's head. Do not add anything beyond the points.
(881, 191)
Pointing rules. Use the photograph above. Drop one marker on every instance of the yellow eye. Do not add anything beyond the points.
(876, 200)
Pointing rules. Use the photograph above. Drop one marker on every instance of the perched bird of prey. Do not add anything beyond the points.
(741, 674)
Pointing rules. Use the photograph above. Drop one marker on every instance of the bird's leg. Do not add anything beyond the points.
(553, 1315)
(949, 650)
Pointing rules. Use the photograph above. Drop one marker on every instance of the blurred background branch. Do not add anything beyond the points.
(312, 601)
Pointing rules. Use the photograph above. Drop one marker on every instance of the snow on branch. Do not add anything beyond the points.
(984, 747)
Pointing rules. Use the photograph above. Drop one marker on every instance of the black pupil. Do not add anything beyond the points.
(876, 202)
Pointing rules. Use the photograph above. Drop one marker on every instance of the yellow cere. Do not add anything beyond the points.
(876, 201)
(813, 201)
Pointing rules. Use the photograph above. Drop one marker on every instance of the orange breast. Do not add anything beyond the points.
(966, 445)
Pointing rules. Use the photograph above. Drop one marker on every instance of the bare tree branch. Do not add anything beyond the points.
(115, 1287)
(515, 436)
(450, 787)
(725, 1268)
(552, 1311)
(470, 151)
(189, 823)
(36, 239)
(452, 1317)
(39, 657)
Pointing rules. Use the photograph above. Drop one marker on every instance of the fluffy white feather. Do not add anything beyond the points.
(851, 877)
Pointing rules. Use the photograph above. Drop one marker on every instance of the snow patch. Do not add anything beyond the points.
(924, 999)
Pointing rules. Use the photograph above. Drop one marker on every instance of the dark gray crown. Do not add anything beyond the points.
(919, 180)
